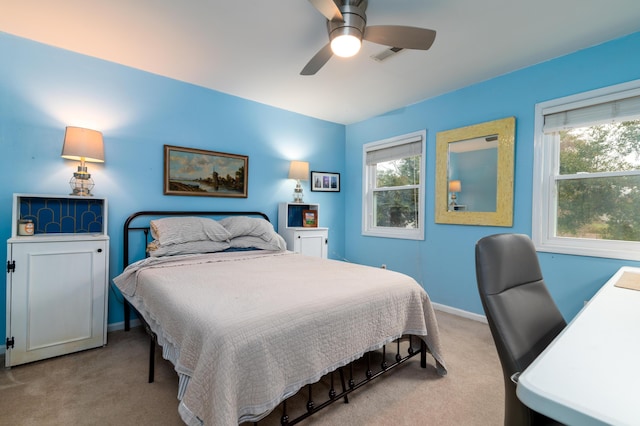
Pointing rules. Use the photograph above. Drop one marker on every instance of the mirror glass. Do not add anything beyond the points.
(473, 165)
(474, 174)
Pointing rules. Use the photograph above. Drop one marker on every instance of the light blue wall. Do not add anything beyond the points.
(444, 262)
(43, 89)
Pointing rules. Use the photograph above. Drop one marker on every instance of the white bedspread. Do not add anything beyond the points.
(251, 328)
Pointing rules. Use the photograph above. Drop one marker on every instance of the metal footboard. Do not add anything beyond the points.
(368, 368)
(370, 372)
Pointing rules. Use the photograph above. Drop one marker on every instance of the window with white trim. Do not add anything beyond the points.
(586, 192)
(393, 187)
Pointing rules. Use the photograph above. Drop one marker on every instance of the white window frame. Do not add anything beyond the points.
(546, 167)
(369, 181)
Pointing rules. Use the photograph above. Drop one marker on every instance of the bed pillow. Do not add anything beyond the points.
(247, 232)
(179, 230)
(251, 242)
(244, 225)
(156, 249)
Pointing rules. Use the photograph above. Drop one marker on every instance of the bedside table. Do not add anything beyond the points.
(309, 241)
(57, 277)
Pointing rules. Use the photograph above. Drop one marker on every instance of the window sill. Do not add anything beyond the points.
(623, 250)
(414, 234)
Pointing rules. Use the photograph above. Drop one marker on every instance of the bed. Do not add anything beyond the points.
(248, 324)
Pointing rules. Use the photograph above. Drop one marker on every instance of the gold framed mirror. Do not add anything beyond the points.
(474, 174)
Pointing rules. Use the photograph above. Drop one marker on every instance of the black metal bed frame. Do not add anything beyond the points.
(127, 229)
(311, 406)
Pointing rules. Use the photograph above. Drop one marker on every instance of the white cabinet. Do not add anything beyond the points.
(57, 281)
(310, 241)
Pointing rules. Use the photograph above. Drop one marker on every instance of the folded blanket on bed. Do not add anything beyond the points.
(250, 329)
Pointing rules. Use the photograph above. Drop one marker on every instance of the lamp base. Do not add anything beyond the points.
(81, 183)
(453, 203)
(81, 192)
(297, 193)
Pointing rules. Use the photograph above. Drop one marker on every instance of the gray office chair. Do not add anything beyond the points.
(522, 316)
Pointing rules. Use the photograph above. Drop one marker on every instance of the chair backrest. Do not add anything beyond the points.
(522, 316)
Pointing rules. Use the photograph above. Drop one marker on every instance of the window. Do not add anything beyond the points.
(586, 194)
(393, 187)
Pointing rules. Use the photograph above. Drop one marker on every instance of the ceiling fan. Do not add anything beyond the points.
(347, 27)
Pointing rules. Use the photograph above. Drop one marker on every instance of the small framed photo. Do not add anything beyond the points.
(325, 181)
(310, 218)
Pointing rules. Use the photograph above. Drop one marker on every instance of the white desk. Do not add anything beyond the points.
(590, 374)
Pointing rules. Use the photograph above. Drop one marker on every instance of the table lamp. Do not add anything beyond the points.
(298, 170)
(455, 186)
(82, 145)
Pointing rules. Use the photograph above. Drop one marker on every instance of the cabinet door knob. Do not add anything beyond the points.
(99, 250)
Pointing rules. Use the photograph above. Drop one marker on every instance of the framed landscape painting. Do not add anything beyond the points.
(189, 171)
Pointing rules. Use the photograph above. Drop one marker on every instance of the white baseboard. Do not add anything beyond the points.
(459, 312)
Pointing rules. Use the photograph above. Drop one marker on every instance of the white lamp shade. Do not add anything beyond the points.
(83, 144)
(455, 186)
(299, 170)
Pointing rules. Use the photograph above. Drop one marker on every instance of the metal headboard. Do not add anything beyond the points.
(129, 228)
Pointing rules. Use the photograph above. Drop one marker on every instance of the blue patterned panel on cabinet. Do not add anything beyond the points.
(63, 215)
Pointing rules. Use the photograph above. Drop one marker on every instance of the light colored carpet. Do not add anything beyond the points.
(108, 386)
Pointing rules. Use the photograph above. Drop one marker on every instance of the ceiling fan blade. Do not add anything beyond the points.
(318, 61)
(328, 8)
(400, 36)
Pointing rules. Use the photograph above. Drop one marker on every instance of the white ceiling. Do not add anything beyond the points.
(255, 49)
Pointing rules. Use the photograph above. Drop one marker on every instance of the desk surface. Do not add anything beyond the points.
(590, 374)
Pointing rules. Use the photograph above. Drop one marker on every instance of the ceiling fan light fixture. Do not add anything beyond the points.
(345, 45)
(346, 33)
(347, 27)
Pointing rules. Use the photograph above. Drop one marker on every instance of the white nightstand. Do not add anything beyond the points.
(310, 241)
(56, 278)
